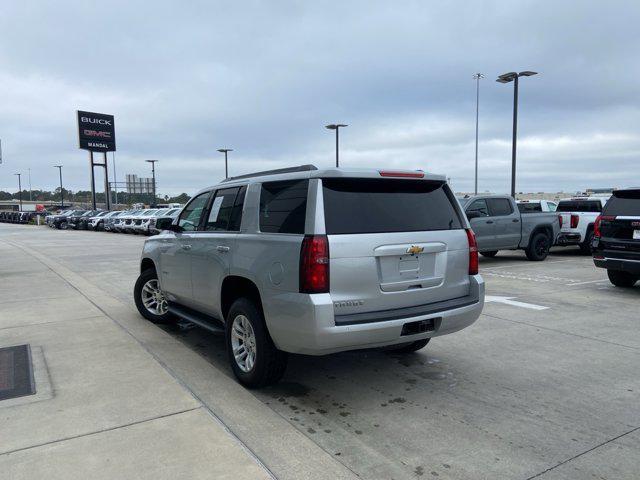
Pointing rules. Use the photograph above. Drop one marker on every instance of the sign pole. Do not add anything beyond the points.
(107, 190)
(93, 181)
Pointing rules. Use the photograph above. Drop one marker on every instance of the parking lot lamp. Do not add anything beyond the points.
(226, 164)
(19, 189)
(59, 167)
(153, 174)
(336, 127)
(477, 78)
(507, 78)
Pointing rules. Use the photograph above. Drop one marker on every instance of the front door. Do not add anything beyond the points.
(213, 248)
(175, 255)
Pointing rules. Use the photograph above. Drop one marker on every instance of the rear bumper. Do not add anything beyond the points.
(618, 264)
(565, 238)
(306, 324)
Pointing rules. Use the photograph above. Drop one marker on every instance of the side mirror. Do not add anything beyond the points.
(166, 223)
(473, 214)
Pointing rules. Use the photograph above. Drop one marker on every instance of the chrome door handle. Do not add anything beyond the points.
(186, 247)
(222, 248)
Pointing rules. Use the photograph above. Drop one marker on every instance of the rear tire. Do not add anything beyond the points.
(145, 292)
(256, 362)
(585, 247)
(538, 248)
(489, 254)
(411, 347)
(622, 279)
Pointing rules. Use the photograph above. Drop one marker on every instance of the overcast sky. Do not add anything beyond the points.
(263, 78)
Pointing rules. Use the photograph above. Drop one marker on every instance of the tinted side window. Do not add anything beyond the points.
(624, 204)
(479, 206)
(283, 206)
(220, 210)
(190, 217)
(236, 213)
(499, 207)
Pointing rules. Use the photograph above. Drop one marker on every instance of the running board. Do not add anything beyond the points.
(203, 321)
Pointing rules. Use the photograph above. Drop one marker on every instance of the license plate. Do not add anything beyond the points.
(636, 234)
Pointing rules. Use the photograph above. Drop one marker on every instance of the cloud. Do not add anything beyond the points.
(264, 78)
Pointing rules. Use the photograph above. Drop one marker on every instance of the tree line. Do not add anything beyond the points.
(85, 196)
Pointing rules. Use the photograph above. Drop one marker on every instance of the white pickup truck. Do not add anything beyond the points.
(577, 217)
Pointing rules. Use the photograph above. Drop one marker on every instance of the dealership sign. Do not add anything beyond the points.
(96, 132)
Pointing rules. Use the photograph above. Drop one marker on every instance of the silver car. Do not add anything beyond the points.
(311, 261)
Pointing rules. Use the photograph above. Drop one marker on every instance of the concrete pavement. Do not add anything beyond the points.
(521, 394)
(107, 406)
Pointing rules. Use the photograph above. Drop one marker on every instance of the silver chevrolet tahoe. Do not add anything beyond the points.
(311, 261)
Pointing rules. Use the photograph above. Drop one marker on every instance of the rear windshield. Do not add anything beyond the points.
(624, 203)
(529, 207)
(379, 206)
(579, 206)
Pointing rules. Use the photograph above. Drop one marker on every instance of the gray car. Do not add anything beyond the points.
(499, 225)
(312, 261)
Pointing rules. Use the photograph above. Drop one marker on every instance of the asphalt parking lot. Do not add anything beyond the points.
(545, 384)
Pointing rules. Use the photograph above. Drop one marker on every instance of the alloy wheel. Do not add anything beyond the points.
(243, 343)
(153, 299)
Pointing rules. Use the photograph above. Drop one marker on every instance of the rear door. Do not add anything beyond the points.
(393, 243)
(482, 225)
(507, 223)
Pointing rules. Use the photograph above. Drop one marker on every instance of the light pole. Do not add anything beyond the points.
(153, 174)
(19, 189)
(29, 170)
(477, 78)
(59, 167)
(336, 127)
(226, 165)
(507, 78)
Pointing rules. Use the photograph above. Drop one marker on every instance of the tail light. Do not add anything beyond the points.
(599, 220)
(574, 221)
(314, 264)
(473, 252)
(560, 220)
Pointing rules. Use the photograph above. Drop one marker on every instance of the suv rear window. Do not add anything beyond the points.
(283, 206)
(579, 206)
(378, 206)
(625, 203)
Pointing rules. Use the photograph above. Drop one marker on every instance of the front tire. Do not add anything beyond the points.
(150, 300)
(538, 248)
(255, 360)
(622, 279)
(489, 254)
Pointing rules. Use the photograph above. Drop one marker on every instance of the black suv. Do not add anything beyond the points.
(616, 241)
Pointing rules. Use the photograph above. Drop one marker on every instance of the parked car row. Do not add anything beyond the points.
(139, 221)
(16, 217)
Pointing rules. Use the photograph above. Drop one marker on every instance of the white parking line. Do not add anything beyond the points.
(513, 303)
(584, 283)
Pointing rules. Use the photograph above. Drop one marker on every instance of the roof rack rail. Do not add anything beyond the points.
(300, 168)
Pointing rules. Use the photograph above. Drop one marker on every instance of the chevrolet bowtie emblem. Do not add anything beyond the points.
(414, 250)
